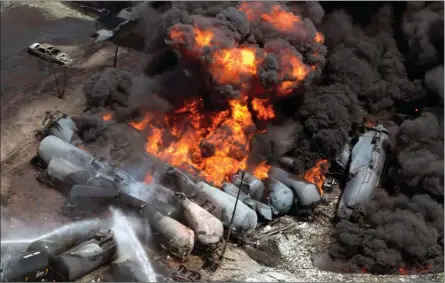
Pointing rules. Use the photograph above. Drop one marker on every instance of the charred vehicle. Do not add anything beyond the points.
(49, 53)
(62, 257)
(365, 162)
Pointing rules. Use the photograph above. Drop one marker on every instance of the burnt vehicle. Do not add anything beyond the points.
(49, 53)
(366, 161)
(62, 257)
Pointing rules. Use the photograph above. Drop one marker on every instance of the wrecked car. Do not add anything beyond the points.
(49, 53)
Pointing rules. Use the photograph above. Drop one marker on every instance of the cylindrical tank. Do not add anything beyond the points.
(82, 191)
(131, 201)
(245, 218)
(162, 207)
(31, 266)
(163, 193)
(178, 239)
(57, 243)
(60, 169)
(281, 197)
(307, 194)
(51, 147)
(256, 187)
(287, 162)
(64, 129)
(367, 163)
(261, 209)
(342, 158)
(232, 190)
(85, 258)
(174, 178)
(208, 229)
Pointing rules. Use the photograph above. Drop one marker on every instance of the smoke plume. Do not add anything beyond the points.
(401, 233)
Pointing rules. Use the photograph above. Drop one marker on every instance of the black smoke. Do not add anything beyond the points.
(399, 230)
(241, 27)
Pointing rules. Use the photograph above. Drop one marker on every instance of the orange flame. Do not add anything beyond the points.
(262, 109)
(148, 178)
(217, 145)
(261, 171)
(293, 68)
(142, 125)
(281, 19)
(82, 147)
(319, 38)
(317, 173)
(230, 66)
(409, 271)
(107, 117)
(203, 37)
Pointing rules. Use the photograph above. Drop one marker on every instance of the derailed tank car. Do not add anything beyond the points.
(61, 257)
(367, 162)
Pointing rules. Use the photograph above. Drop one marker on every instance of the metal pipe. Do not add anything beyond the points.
(233, 217)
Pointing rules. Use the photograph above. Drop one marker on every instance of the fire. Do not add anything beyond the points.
(293, 68)
(252, 10)
(107, 117)
(316, 174)
(142, 125)
(281, 19)
(264, 111)
(409, 271)
(319, 38)
(230, 66)
(203, 37)
(216, 144)
(148, 178)
(406, 270)
(154, 141)
(238, 65)
(82, 147)
(261, 171)
(370, 124)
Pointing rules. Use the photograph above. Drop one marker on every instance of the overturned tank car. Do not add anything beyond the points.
(366, 164)
(62, 257)
(306, 195)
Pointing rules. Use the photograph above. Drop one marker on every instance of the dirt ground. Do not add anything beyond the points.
(28, 90)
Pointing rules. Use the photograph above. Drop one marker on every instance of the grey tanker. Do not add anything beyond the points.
(366, 164)
(62, 257)
(306, 194)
